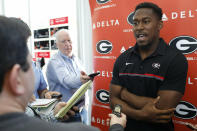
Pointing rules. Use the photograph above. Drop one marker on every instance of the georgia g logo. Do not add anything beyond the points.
(102, 96)
(102, 1)
(103, 47)
(130, 18)
(186, 44)
(185, 110)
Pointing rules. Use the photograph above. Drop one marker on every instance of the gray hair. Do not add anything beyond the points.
(58, 33)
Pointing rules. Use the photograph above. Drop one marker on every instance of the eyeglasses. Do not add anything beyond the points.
(66, 41)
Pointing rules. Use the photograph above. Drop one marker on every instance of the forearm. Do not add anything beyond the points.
(128, 110)
(147, 113)
(62, 75)
(133, 100)
(71, 81)
(168, 99)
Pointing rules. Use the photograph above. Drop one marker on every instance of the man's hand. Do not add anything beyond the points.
(84, 77)
(151, 114)
(48, 94)
(118, 120)
(69, 114)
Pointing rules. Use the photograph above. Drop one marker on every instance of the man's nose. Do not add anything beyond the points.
(140, 26)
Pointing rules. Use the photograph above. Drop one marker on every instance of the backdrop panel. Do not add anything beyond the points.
(112, 35)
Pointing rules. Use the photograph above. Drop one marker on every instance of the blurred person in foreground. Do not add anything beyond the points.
(17, 81)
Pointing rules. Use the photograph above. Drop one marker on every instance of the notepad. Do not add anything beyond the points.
(44, 106)
(42, 103)
(75, 97)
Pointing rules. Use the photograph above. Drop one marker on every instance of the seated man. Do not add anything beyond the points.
(17, 81)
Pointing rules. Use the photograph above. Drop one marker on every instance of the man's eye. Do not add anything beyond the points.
(147, 21)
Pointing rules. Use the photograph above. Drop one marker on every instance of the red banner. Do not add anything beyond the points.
(58, 21)
(42, 54)
(112, 35)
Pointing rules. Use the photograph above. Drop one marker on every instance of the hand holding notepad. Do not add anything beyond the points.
(75, 97)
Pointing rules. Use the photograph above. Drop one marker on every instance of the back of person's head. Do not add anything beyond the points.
(156, 9)
(14, 34)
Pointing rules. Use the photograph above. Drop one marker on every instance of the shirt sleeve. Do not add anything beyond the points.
(175, 78)
(56, 71)
(116, 127)
(42, 84)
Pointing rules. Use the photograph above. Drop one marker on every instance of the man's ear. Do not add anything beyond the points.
(15, 80)
(160, 24)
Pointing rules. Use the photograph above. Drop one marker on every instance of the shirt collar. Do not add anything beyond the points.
(64, 56)
(159, 51)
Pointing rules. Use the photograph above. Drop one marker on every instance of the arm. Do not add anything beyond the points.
(148, 113)
(57, 71)
(170, 92)
(133, 100)
(173, 87)
(42, 87)
(168, 99)
(115, 99)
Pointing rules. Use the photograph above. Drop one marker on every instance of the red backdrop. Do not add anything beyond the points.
(112, 34)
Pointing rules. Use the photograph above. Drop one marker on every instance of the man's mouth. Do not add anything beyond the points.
(141, 37)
